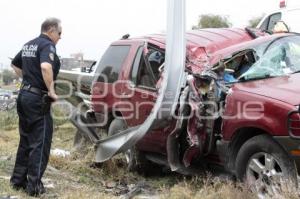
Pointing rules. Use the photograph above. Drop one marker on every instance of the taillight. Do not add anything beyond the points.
(294, 124)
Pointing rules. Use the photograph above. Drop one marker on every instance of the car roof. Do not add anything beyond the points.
(211, 39)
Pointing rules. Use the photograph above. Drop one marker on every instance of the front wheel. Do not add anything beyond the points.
(264, 165)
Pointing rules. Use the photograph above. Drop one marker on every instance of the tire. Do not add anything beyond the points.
(263, 165)
(133, 158)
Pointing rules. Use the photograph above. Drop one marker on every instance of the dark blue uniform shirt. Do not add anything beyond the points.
(29, 59)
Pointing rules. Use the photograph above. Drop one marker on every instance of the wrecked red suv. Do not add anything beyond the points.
(239, 107)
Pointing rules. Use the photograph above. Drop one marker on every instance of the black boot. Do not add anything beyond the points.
(37, 191)
(18, 186)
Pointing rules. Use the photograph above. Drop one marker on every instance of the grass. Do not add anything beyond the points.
(77, 176)
(8, 120)
(208, 188)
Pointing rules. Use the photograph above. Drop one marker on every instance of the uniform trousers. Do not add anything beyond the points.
(36, 129)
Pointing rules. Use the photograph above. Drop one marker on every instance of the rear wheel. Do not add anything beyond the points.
(133, 158)
(264, 165)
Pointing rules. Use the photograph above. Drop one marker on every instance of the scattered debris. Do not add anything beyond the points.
(110, 184)
(52, 169)
(120, 190)
(9, 197)
(135, 190)
(116, 188)
(128, 191)
(60, 152)
(48, 183)
(5, 158)
(49, 186)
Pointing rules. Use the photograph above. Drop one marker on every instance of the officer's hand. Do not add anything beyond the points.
(53, 96)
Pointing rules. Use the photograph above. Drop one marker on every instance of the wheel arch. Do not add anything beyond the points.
(239, 138)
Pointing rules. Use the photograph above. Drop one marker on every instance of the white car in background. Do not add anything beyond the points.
(289, 15)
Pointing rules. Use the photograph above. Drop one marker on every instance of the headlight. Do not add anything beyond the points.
(294, 123)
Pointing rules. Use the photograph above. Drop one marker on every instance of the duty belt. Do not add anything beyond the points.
(33, 89)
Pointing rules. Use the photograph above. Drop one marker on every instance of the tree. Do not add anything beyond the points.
(8, 76)
(254, 21)
(212, 21)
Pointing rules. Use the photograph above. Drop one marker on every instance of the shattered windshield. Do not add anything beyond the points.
(282, 57)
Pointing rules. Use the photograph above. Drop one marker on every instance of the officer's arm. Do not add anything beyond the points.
(47, 61)
(17, 70)
(16, 64)
(47, 73)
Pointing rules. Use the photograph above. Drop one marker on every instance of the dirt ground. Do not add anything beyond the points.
(77, 176)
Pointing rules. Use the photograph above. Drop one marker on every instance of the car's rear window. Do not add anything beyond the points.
(111, 63)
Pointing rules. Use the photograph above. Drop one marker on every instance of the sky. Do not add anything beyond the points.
(89, 26)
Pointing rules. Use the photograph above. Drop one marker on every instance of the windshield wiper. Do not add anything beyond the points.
(297, 71)
(256, 78)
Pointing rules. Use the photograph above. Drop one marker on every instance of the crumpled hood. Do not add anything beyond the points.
(285, 88)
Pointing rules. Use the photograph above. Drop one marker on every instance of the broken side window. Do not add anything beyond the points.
(230, 69)
(145, 71)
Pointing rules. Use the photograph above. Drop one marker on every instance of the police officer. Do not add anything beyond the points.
(39, 65)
